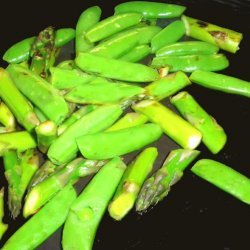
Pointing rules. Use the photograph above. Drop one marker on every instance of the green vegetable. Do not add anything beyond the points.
(67, 64)
(130, 185)
(115, 69)
(40, 92)
(221, 82)
(16, 102)
(157, 187)
(188, 48)
(105, 145)
(173, 125)
(43, 224)
(213, 135)
(151, 10)
(224, 178)
(169, 35)
(40, 115)
(86, 21)
(167, 86)
(3, 226)
(64, 148)
(88, 209)
(191, 63)
(226, 39)
(112, 25)
(6, 117)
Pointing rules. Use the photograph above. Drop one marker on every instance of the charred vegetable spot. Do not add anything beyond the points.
(219, 35)
(202, 24)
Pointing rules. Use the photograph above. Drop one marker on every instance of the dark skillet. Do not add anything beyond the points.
(195, 215)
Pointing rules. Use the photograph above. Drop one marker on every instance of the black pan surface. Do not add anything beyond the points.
(195, 215)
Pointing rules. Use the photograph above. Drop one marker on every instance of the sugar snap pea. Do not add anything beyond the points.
(115, 69)
(151, 10)
(191, 63)
(99, 146)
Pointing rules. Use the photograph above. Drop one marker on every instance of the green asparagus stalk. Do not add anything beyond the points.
(158, 185)
(87, 211)
(224, 178)
(43, 172)
(64, 148)
(41, 116)
(167, 85)
(19, 141)
(12, 174)
(213, 135)
(7, 118)
(3, 226)
(46, 189)
(128, 120)
(130, 185)
(43, 224)
(46, 134)
(173, 125)
(67, 64)
(16, 102)
(39, 92)
(226, 39)
(224, 83)
(43, 52)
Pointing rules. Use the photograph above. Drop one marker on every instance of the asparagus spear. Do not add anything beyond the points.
(3, 226)
(46, 189)
(64, 148)
(213, 135)
(158, 185)
(16, 102)
(87, 211)
(43, 224)
(7, 118)
(41, 116)
(39, 92)
(224, 178)
(75, 117)
(131, 183)
(173, 125)
(46, 133)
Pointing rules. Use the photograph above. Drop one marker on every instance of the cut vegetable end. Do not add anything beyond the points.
(29, 206)
(194, 141)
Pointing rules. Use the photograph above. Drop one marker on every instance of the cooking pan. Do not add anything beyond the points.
(195, 215)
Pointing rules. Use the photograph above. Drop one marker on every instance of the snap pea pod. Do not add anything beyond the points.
(157, 187)
(68, 78)
(112, 25)
(3, 226)
(6, 117)
(20, 51)
(130, 185)
(224, 178)
(169, 35)
(20, 141)
(188, 48)
(115, 69)
(117, 46)
(213, 135)
(151, 10)
(103, 93)
(224, 83)
(87, 20)
(44, 223)
(16, 102)
(98, 146)
(40, 115)
(39, 92)
(136, 54)
(191, 63)
(88, 209)
(64, 148)
(128, 120)
(46, 134)
(75, 117)
(225, 39)
(173, 125)
(45, 190)
(167, 85)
